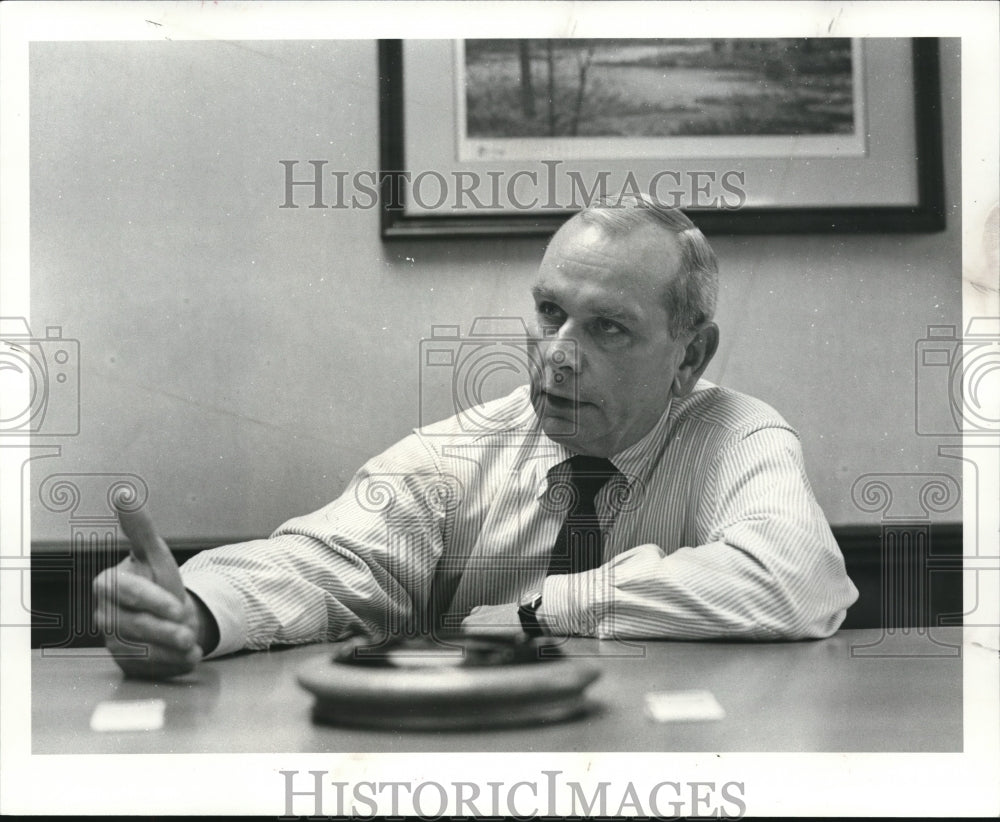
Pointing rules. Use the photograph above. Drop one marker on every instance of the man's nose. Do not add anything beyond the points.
(561, 351)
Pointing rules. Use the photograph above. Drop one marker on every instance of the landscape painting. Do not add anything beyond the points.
(514, 93)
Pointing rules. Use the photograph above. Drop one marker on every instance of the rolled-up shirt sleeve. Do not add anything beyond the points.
(767, 566)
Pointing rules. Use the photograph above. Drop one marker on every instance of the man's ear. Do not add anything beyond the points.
(702, 344)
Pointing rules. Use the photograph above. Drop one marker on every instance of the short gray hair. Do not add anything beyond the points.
(690, 296)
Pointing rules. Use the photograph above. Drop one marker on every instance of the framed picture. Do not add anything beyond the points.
(482, 138)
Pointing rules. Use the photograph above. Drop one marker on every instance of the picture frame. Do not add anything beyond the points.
(895, 185)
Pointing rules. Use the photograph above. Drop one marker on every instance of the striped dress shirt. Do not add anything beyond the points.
(712, 531)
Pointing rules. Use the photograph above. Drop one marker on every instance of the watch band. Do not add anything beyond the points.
(527, 613)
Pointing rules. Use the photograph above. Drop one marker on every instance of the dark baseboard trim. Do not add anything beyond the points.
(907, 574)
(922, 561)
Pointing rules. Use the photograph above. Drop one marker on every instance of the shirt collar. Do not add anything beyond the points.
(634, 462)
(545, 454)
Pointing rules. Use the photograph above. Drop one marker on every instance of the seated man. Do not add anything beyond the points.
(690, 515)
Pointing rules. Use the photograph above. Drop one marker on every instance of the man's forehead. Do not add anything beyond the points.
(620, 269)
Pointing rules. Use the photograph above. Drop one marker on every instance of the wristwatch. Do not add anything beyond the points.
(527, 613)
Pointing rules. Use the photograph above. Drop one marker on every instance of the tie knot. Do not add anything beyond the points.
(582, 464)
(591, 473)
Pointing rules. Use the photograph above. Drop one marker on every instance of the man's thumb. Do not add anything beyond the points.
(147, 547)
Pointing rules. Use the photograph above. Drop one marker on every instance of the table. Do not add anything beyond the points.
(781, 697)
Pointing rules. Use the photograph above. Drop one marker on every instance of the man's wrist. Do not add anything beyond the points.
(208, 628)
(527, 613)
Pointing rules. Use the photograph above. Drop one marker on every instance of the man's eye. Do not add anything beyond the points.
(549, 311)
(609, 327)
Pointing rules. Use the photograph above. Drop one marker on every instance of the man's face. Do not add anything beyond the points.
(608, 357)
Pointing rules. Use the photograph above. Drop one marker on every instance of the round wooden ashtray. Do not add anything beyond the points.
(447, 684)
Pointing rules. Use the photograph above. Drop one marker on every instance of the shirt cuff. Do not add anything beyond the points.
(569, 603)
(225, 604)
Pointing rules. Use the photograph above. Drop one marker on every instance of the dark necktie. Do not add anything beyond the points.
(579, 546)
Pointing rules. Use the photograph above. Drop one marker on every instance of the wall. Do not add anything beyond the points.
(244, 359)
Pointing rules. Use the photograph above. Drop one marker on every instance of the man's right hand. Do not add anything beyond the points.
(153, 627)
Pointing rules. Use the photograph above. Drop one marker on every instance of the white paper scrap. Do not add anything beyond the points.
(683, 706)
(128, 715)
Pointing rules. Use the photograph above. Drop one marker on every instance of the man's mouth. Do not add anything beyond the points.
(561, 403)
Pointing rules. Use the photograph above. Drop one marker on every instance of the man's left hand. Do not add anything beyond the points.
(493, 619)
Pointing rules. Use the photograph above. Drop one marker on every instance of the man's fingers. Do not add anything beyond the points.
(149, 548)
(134, 628)
(154, 661)
(137, 594)
(149, 624)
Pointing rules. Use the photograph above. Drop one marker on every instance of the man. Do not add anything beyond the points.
(691, 516)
